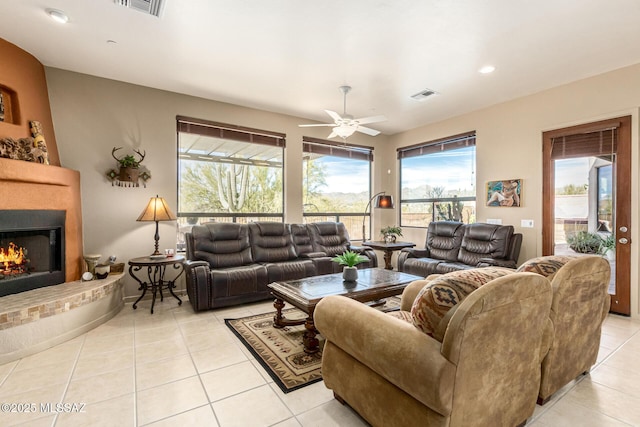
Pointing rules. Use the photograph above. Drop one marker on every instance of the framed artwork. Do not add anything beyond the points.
(505, 193)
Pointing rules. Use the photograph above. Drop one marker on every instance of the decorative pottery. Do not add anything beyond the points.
(102, 270)
(389, 238)
(350, 274)
(92, 261)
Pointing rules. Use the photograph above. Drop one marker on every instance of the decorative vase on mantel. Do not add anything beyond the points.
(350, 274)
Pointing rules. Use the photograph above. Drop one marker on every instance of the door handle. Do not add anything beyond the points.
(623, 241)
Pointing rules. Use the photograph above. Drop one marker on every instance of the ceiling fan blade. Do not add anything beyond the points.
(333, 134)
(372, 119)
(335, 116)
(315, 125)
(368, 131)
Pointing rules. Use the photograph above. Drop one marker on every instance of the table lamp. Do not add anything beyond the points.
(383, 201)
(157, 210)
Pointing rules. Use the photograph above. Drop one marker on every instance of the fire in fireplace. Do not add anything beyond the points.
(13, 260)
(31, 249)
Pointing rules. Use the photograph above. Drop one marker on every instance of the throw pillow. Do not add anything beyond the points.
(546, 266)
(444, 292)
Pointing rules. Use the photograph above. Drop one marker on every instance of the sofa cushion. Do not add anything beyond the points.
(222, 245)
(546, 266)
(271, 242)
(484, 241)
(444, 292)
(331, 238)
(443, 239)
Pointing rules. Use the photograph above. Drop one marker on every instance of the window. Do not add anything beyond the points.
(336, 182)
(228, 173)
(437, 181)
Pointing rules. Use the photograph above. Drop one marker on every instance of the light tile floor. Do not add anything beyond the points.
(177, 367)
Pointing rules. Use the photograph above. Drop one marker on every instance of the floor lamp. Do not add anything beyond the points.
(383, 201)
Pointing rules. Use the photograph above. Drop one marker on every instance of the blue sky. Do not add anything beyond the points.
(572, 171)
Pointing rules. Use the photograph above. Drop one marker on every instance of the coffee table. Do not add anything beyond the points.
(373, 284)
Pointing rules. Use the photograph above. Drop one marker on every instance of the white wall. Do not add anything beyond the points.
(92, 115)
(509, 145)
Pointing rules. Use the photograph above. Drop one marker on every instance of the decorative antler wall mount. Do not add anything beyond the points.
(129, 170)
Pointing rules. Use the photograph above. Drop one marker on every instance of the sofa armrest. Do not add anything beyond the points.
(495, 262)
(368, 252)
(416, 253)
(198, 281)
(394, 349)
(410, 253)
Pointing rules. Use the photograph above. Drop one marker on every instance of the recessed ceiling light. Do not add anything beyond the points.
(487, 69)
(58, 15)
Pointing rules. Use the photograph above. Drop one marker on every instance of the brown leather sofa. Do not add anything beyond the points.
(229, 263)
(484, 372)
(452, 246)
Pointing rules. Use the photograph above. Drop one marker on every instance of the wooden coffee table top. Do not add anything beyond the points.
(372, 284)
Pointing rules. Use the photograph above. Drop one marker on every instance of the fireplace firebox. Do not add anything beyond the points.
(32, 250)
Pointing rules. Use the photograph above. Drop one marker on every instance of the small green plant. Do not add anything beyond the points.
(391, 230)
(585, 242)
(129, 161)
(349, 258)
(608, 244)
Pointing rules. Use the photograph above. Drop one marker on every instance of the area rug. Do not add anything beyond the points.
(280, 351)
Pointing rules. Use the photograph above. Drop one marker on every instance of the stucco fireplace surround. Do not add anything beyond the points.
(37, 319)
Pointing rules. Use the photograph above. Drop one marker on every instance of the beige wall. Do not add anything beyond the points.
(509, 145)
(92, 115)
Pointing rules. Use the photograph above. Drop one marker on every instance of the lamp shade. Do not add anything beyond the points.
(384, 202)
(157, 210)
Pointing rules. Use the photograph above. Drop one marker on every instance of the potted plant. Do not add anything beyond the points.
(608, 247)
(349, 259)
(585, 242)
(390, 233)
(128, 165)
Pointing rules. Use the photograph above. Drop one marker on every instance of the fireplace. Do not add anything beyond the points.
(32, 249)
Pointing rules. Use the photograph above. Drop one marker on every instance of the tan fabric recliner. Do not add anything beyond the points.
(486, 371)
(580, 304)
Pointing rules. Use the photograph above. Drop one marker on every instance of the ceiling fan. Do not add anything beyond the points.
(344, 126)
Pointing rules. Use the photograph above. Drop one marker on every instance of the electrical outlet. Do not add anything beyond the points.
(526, 223)
(496, 221)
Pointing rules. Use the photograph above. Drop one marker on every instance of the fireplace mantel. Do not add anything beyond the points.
(28, 185)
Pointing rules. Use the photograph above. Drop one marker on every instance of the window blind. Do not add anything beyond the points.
(330, 148)
(231, 132)
(438, 145)
(592, 143)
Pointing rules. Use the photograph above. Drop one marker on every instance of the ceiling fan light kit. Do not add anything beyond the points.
(345, 125)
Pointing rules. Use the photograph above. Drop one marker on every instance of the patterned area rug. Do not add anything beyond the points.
(280, 351)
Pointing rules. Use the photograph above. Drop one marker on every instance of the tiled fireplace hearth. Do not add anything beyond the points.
(37, 319)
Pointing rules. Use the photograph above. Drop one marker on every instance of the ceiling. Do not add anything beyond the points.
(290, 56)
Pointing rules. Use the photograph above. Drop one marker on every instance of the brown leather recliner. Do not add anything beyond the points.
(220, 269)
(332, 238)
(452, 246)
(485, 372)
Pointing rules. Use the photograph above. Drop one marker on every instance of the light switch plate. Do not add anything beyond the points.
(526, 223)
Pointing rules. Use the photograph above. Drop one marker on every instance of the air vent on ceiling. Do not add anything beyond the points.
(422, 95)
(152, 7)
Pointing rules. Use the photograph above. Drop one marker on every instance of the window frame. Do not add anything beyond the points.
(230, 132)
(426, 148)
(343, 150)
